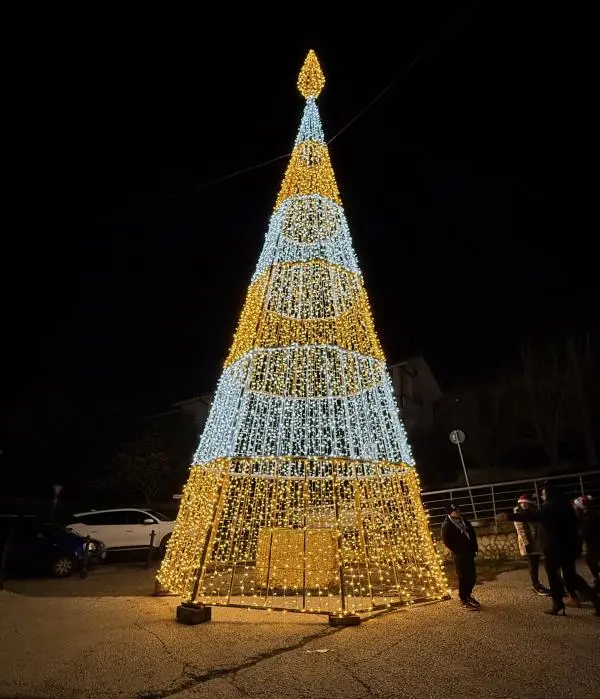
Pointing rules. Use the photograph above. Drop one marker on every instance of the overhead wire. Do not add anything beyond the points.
(226, 177)
(357, 116)
(402, 73)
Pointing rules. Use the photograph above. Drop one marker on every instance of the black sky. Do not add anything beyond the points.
(464, 184)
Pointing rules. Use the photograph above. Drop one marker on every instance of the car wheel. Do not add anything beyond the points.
(63, 567)
(163, 544)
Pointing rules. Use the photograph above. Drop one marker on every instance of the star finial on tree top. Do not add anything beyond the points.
(311, 79)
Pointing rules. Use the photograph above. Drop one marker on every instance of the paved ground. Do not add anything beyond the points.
(62, 645)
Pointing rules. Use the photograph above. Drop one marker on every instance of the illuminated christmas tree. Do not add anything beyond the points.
(303, 493)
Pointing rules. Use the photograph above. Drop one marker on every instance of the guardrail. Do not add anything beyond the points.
(492, 498)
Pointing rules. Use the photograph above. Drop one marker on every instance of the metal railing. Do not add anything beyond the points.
(490, 499)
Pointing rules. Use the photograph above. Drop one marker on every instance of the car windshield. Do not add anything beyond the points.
(158, 515)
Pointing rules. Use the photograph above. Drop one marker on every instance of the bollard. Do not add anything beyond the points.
(150, 550)
(4, 558)
(84, 563)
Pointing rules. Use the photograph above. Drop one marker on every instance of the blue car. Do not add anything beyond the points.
(33, 547)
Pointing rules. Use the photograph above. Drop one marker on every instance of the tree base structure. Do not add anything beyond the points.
(193, 614)
(327, 536)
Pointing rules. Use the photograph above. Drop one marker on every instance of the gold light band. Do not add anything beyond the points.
(334, 297)
(309, 172)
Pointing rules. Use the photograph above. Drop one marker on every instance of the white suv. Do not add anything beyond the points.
(124, 528)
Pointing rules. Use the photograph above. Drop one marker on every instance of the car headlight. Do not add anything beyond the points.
(91, 546)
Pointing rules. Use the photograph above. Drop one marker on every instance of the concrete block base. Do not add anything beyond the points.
(192, 614)
(344, 620)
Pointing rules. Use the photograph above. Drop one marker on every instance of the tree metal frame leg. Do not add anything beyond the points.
(160, 591)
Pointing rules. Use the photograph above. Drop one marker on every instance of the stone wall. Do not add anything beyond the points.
(495, 544)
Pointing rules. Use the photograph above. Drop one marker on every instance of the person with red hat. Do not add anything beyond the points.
(529, 545)
(561, 546)
(588, 515)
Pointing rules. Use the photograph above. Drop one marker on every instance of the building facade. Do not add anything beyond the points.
(417, 392)
(415, 388)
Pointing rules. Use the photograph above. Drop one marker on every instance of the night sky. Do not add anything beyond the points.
(464, 186)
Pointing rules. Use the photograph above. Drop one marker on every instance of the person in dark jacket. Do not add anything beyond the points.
(588, 514)
(529, 545)
(561, 545)
(459, 537)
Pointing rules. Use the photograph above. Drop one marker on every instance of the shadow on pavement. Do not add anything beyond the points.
(130, 579)
(487, 571)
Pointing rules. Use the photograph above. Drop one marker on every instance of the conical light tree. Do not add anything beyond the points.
(303, 493)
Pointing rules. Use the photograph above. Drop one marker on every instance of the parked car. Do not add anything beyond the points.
(35, 547)
(125, 528)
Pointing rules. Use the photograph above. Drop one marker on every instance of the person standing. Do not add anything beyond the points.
(459, 537)
(529, 545)
(561, 546)
(588, 515)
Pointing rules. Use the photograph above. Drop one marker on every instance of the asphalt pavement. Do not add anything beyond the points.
(65, 640)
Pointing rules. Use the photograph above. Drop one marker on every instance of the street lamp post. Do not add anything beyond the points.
(458, 437)
(57, 491)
